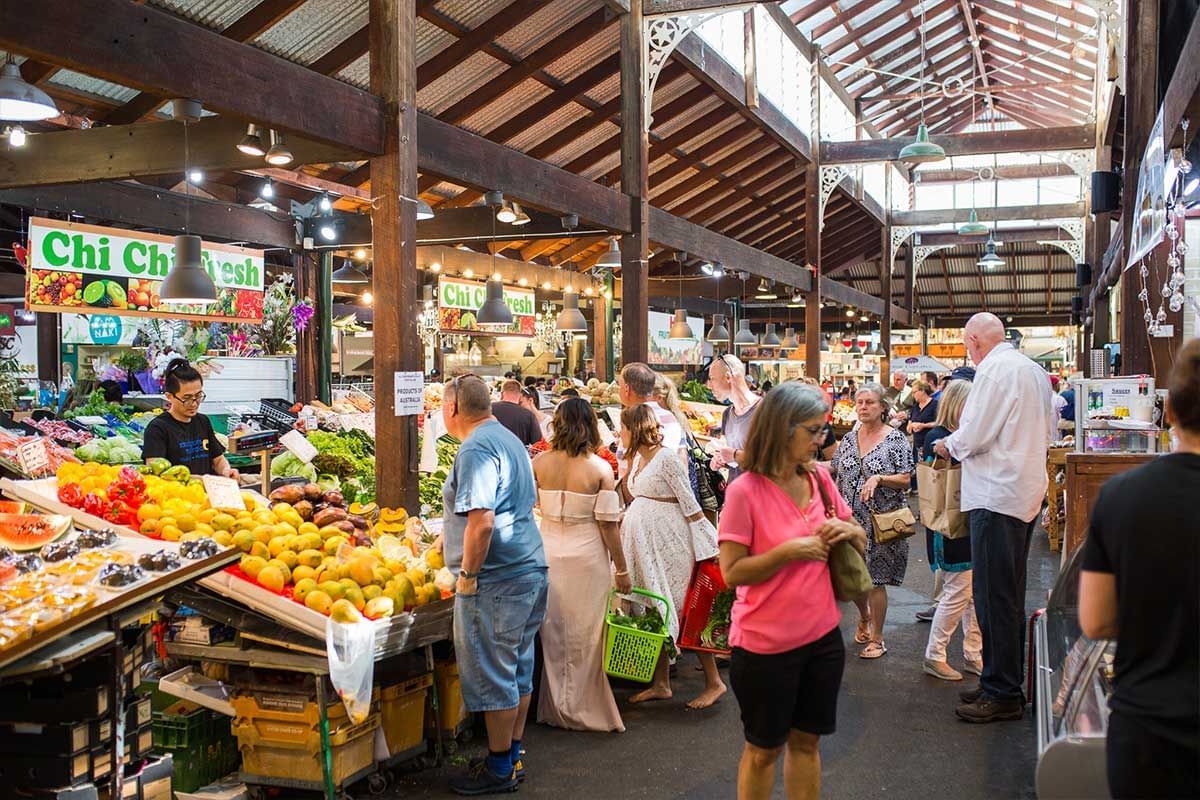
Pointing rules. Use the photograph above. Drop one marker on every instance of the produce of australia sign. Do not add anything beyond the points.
(89, 269)
(459, 302)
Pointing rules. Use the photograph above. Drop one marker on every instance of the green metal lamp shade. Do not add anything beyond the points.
(718, 332)
(922, 151)
(570, 318)
(973, 227)
(529, 352)
(188, 283)
(494, 312)
(745, 336)
(680, 330)
(348, 273)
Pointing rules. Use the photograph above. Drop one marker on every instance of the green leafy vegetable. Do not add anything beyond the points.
(720, 617)
(286, 465)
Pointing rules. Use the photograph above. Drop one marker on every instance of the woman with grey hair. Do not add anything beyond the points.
(873, 464)
(781, 518)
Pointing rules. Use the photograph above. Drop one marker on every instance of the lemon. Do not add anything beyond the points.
(270, 577)
(283, 568)
(344, 611)
(301, 572)
(303, 587)
(244, 540)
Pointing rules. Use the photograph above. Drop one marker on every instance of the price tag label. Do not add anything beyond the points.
(223, 493)
(298, 445)
(33, 457)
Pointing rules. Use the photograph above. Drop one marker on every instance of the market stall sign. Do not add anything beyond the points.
(459, 302)
(950, 350)
(105, 328)
(76, 267)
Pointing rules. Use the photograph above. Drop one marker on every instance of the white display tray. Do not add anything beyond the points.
(191, 685)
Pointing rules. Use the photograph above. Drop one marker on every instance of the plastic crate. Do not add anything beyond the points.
(631, 653)
(299, 760)
(277, 413)
(286, 707)
(452, 710)
(181, 726)
(706, 584)
(402, 713)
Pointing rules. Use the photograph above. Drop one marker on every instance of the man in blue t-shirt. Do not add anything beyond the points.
(492, 540)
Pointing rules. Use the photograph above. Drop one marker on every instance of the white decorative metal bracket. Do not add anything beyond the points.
(900, 234)
(830, 178)
(924, 251)
(1073, 246)
(661, 34)
(1081, 162)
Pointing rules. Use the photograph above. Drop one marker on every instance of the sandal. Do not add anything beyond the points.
(863, 634)
(874, 649)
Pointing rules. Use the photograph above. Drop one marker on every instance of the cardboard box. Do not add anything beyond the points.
(39, 739)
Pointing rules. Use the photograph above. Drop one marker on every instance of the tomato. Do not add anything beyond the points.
(70, 494)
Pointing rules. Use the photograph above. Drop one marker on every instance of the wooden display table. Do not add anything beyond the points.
(1056, 463)
(1086, 473)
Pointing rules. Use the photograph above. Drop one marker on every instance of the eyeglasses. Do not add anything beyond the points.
(190, 399)
(813, 430)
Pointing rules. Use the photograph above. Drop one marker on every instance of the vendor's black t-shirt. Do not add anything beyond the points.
(1145, 532)
(518, 419)
(190, 444)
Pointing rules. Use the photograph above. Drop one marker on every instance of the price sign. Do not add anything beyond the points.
(362, 422)
(298, 445)
(33, 457)
(409, 394)
(223, 493)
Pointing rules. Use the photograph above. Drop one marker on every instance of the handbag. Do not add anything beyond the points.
(890, 526)
(710, 484)
(939, 485)
(847, 569)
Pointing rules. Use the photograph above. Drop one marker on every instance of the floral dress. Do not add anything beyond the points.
(888, 561)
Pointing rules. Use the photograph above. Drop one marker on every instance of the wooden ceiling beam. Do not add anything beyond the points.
(1030, 44)
(745, 134)
(896, 59)
(1031, 26)
(687, 6)
(810, 10)
(981, 74)
(568, 92)
(575, 248)
(1035, 213)
(876, 22)
(1079, 137)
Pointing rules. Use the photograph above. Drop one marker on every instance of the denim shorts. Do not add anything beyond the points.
(494, 631)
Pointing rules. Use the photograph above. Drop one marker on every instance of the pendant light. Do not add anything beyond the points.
(447, 347)
(745, 336)
(766, 290)
(424, 210)
(973, 227)
(790, 342)
(252, 143)
(855, 347)
(770, 338)
(922, 151)
(21, 101)
(570, 319)
(611, 257)
(494, 313)
(680, 330)
(278, 155)
(559, 353)
(529, 351)
(506, 214)
(990, 260)
(522, 217)
(188, 283)
(718, 332)
(348, 273)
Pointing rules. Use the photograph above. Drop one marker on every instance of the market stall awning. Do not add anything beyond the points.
(911, 364)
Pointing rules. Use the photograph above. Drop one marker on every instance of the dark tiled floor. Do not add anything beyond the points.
(897, 735)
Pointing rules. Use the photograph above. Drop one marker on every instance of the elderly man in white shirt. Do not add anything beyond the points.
(1006, 427)
(637, 387)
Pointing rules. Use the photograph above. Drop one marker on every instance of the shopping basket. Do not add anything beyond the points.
(631, 653)
(706, 584)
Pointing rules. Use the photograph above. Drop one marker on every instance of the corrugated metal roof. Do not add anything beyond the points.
(502, 108)
(579, 59)
(459, 82)
(471, 13)
(313, 29)
(215, 14)
(93, 86)
(543, 26)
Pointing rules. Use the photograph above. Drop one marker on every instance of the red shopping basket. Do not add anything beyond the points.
(706, 584)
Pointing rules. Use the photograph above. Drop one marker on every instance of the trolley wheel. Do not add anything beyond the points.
(467, 735)
(377, 783)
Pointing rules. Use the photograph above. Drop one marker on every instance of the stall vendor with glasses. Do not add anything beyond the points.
(183, 435)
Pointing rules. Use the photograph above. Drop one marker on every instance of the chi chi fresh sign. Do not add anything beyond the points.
(459, 301)
(86, 268)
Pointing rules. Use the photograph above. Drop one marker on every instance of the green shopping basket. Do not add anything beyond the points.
(631, 653)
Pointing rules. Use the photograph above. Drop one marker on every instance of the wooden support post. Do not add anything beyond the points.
(635, 183)
(751, 60)
(906, 254)
(48, 347)
(394, 225)
(885, 289)
(323, 320)
(600, 336)
(812, 248)
(307, 270)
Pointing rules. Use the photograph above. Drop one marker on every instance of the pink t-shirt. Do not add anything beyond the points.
(796, 606)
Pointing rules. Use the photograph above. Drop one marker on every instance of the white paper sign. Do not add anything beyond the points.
(92, 420)
(299, 446)
(33, 458)
(409, 393)
(1164, 331)
(606, 435)
(222, 492)
(362, 422)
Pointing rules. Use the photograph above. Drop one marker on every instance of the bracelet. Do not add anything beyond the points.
(622, 572)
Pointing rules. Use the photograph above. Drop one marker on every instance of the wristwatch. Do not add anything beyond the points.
(462, 573)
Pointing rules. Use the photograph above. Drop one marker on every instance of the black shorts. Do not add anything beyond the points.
(782, 692)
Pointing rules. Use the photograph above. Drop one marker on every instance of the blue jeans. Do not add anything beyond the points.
(1000, 553)
(494, 631)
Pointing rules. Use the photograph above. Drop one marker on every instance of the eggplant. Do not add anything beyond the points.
(345, 526)
(312, 492)
(305, 509)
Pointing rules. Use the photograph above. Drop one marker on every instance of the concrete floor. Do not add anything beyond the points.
(897, 734)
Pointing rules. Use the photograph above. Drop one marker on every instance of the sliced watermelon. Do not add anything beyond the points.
(13, 507)
(21, 532)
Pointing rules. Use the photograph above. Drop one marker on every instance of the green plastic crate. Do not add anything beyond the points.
(181, 731)
(211, 753)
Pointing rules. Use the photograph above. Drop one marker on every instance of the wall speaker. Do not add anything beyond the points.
(1106, 192)
(1083, 275)
(1077, 305)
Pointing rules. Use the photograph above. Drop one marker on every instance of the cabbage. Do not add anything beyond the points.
(329, 483)
(286, 465)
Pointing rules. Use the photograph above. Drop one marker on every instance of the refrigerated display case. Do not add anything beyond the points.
(1118, 415)
(1073, 681)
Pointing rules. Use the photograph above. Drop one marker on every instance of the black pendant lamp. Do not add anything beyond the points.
(570, 319)
(188, 283)
(495, 312)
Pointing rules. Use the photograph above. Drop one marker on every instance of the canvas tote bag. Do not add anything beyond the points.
(939, 487)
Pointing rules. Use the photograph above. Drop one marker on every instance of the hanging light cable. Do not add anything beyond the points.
(680, 330)
(922, 151)
(494, 314)
(188, 283)
(718, 332)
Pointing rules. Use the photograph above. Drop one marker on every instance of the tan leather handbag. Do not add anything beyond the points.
(892, 525)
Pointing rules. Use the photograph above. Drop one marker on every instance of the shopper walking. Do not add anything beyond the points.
(636, 387)
(665, 534)
(1140, 585)
(493, 544)
(873, 464)
(952, 558)
(727, 382)
(779, 522)
(921, 419)
(1006, 427)
(522, 422)
(531, 401)
(580, 514)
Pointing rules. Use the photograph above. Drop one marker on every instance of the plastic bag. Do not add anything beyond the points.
(351, 650)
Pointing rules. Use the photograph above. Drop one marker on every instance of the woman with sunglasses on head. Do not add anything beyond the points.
(182, 435)
(727, 382)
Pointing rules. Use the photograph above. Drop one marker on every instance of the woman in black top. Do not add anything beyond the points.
(921, 419)
(181, 434)
(1140, 585)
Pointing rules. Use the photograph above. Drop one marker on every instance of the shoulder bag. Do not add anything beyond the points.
(847, 569)
(890, 526)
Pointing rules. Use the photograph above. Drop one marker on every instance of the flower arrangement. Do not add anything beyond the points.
(283, 318)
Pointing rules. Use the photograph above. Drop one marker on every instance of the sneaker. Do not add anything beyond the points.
(480, 780)
(927, 614)
(518, 767)
(987, 710)
(940, 669)
(971, 695)
(973, 667)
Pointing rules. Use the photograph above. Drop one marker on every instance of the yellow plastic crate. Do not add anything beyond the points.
(452, 711)
(298, 709)
(402, 713)
(270, 750)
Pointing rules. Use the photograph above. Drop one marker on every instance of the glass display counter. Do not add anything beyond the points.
(1117, 415)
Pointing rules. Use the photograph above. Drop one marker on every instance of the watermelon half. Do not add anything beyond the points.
(20, 532)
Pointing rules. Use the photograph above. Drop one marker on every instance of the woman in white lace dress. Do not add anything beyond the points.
(580, 510)
(665, 534)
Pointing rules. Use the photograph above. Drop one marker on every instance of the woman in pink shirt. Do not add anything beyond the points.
(780, 519)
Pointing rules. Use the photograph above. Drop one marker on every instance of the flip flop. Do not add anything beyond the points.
(874, 649)
(863, 634)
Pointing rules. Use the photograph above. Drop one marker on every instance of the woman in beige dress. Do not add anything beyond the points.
(580, 511)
